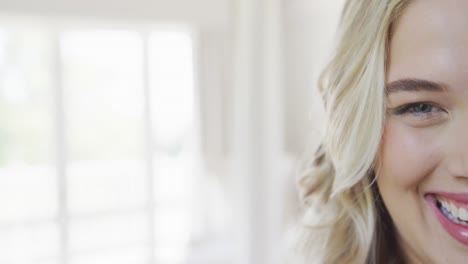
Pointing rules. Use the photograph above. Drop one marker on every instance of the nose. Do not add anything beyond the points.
(457, 148)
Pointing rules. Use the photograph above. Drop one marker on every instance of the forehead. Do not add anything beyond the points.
(430, 41)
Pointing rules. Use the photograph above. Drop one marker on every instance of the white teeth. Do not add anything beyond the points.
(460, 213)
(446, 205)
(453, 210)
(463, 214)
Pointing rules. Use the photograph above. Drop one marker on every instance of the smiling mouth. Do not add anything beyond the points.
(457, 215)
(451, 210)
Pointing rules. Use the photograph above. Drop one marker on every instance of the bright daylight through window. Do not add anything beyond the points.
(98, 145)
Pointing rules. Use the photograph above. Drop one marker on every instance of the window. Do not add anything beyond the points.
(98, 145)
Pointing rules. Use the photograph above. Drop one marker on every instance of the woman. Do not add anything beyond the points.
(389, 184)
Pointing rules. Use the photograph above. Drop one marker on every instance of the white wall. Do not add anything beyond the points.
(271, 106)
(309, 29)
(256, 140)
(202, 13)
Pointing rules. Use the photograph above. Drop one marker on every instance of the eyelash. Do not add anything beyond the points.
(409, 109)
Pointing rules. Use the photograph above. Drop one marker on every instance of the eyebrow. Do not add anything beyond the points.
(414, 85)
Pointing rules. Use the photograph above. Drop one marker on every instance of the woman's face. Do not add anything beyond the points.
(423, 163)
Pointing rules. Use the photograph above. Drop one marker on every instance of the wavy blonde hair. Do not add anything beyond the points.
(344, 220)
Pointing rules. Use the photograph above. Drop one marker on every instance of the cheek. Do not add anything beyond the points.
(405, 155)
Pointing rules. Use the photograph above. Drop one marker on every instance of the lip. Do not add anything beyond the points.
(458, 197)
(458, 232)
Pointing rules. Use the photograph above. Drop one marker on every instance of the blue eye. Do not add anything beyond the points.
(417, 109)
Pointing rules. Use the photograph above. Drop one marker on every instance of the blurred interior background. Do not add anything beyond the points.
(156, 131)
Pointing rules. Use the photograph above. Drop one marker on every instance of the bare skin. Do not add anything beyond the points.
(424, 151)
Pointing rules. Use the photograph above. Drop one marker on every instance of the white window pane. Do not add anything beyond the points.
(94, 234)
(105, 185)
(29, 244)
(171, 255)
(172, 101)
(174, 179)
(175, 173)
(215, 250)
(132, 255)
(104, 99)
(104, 94)
(27, 177)
(173, 226)
(48, 261)
(38, 261)
(3, 52)
(172, 95)
(27, 192)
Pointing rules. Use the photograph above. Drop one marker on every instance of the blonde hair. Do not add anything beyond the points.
(344, 219)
